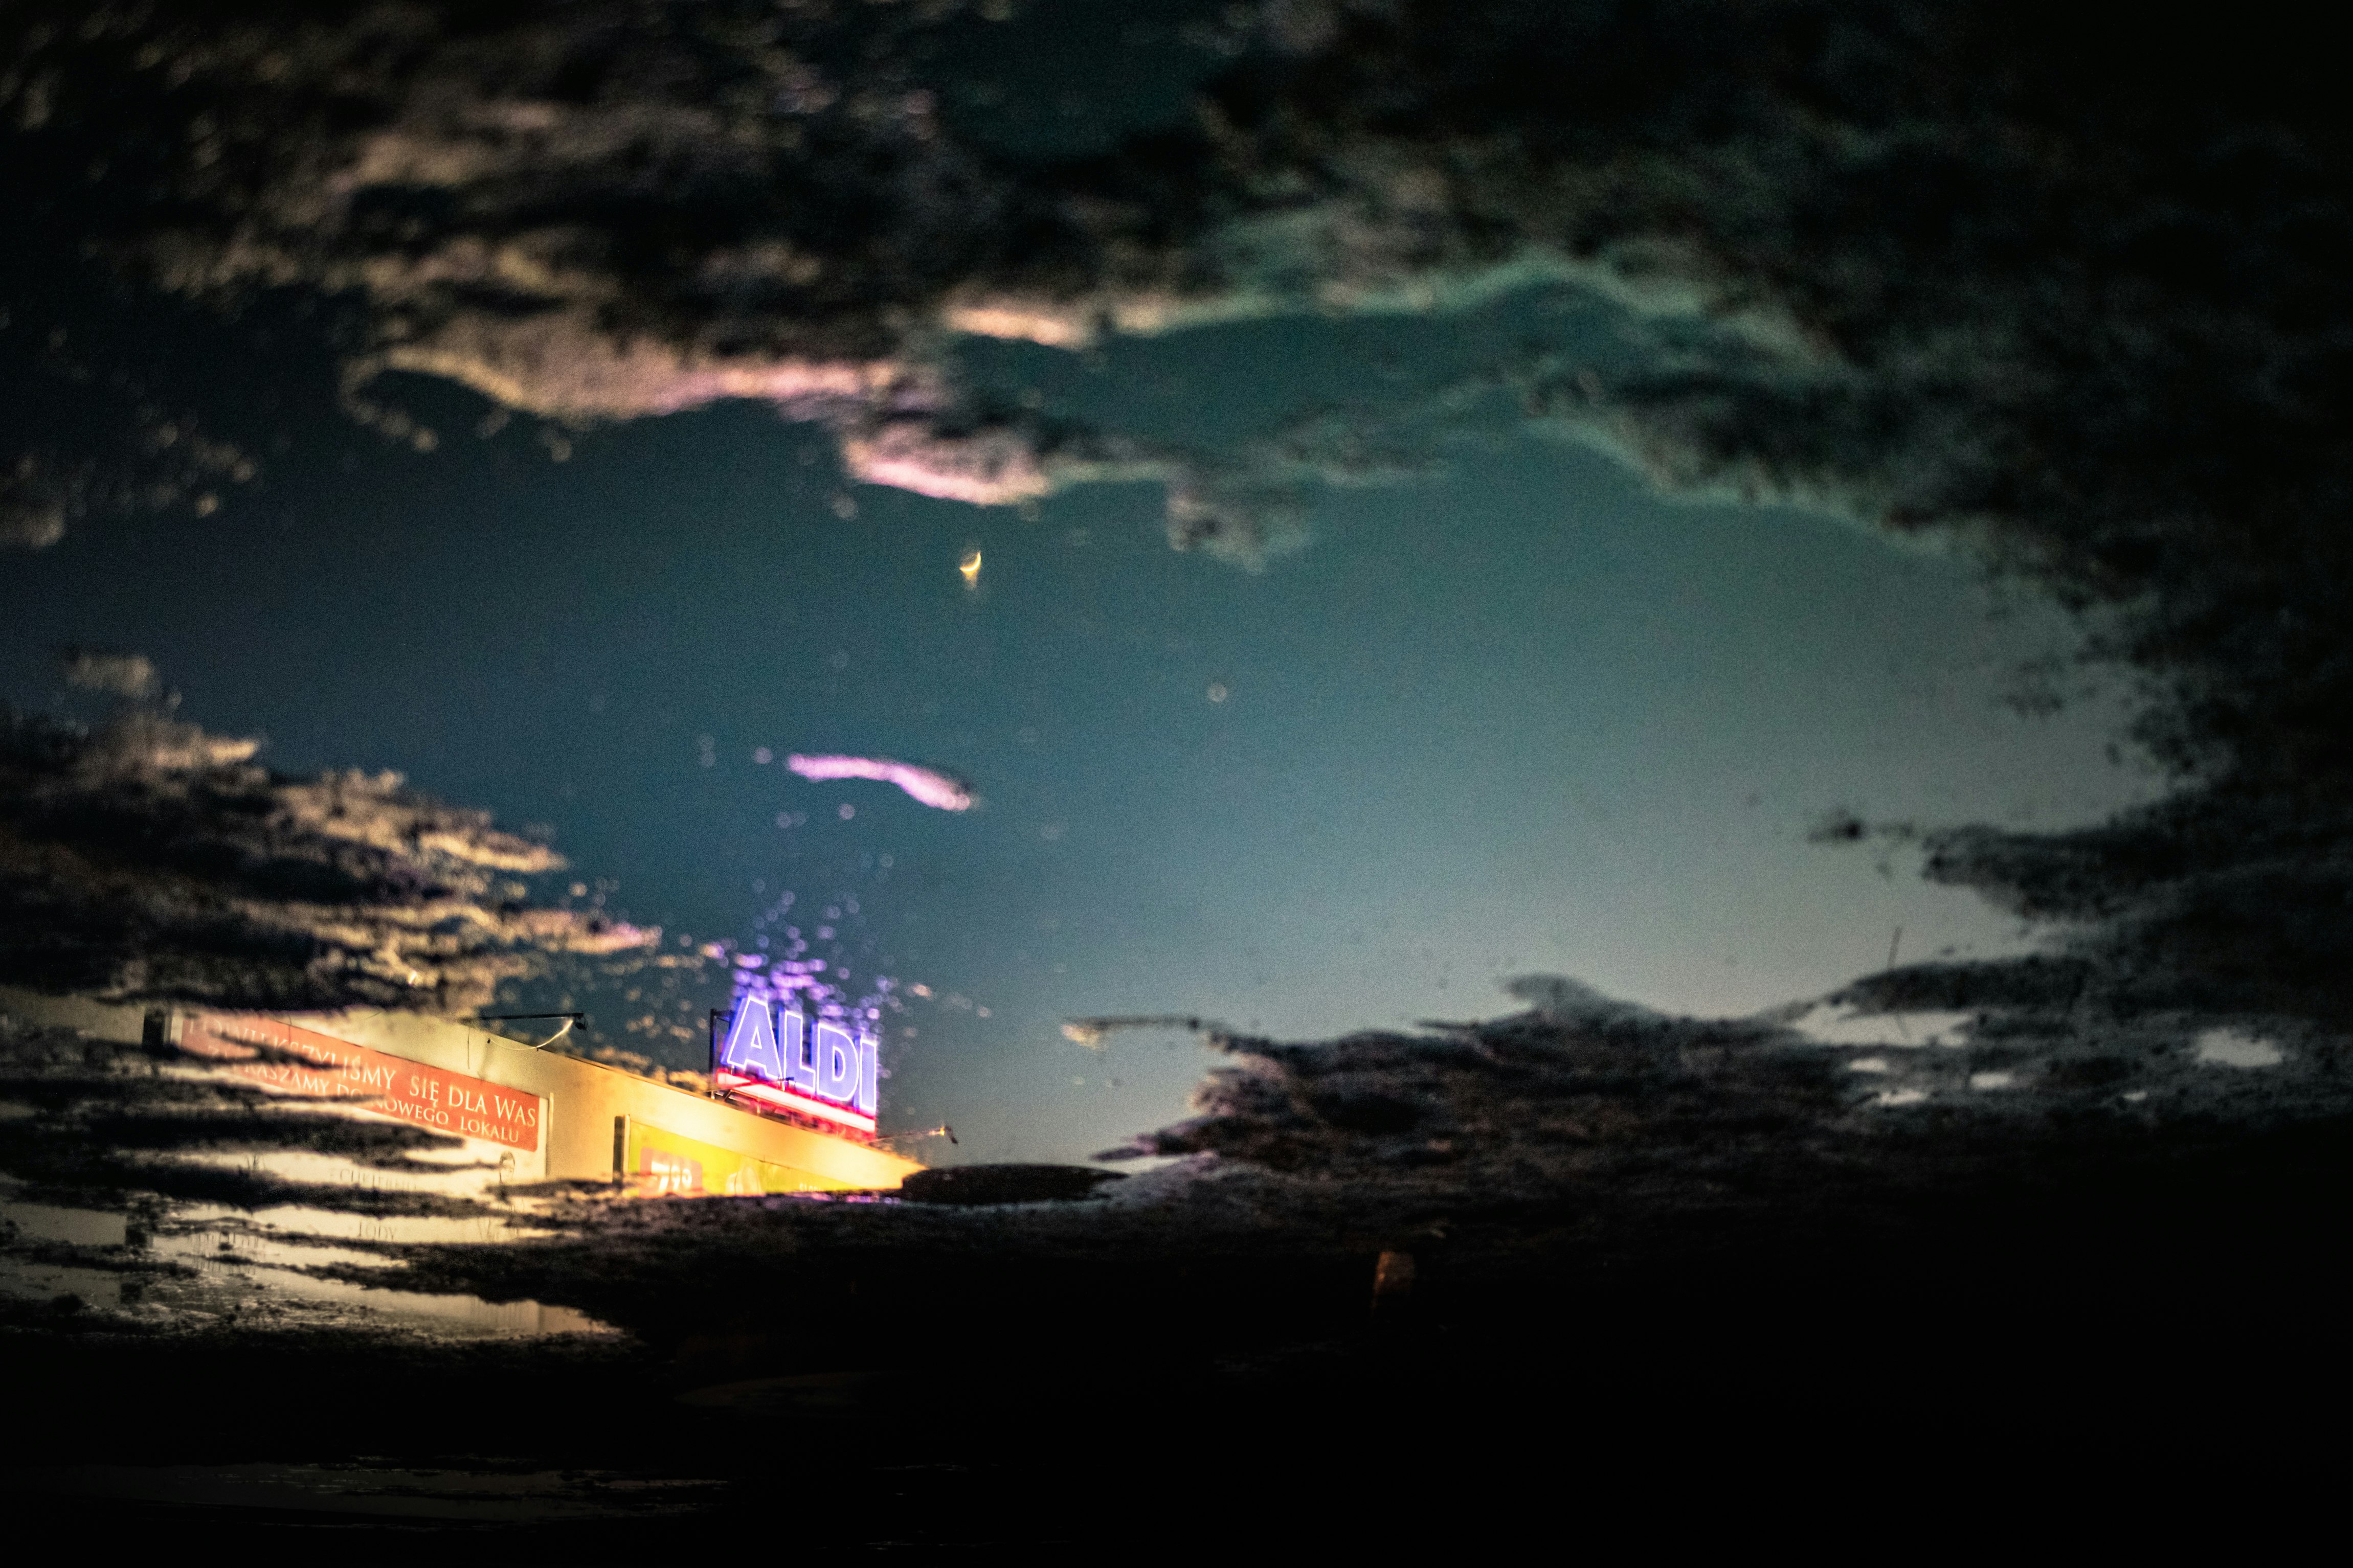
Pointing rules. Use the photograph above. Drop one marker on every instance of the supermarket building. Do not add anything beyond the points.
(533, 1113)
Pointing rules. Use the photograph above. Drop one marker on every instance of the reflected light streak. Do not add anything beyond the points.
(925, 785)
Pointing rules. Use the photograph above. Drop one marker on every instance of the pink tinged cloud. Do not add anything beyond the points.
(935, 789)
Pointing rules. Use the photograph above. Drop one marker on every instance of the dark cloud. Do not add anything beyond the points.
(594, 213)
(1939, 1074)
(31, 517)
(130, 676)
(586, 213)
(147, 858)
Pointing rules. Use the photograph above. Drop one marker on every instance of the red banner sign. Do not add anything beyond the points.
(321, 1065)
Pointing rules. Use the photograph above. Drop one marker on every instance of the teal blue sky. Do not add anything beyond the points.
(1518, 714)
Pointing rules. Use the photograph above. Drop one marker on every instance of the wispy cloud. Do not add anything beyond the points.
(151, 859)
(927, 784)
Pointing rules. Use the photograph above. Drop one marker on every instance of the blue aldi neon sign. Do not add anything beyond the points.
(775, 1059)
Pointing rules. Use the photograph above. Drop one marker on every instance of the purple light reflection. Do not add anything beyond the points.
(927, 784)
(790, 978)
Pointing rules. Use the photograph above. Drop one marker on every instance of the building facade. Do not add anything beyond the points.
(532, 1114)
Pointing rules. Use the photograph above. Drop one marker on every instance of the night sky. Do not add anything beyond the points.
(1512, 713)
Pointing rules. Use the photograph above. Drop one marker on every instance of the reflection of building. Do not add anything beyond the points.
(535, 1115)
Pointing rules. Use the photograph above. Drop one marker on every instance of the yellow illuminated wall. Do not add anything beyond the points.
(658, 1164)
(588, 1099)
(586, 1102)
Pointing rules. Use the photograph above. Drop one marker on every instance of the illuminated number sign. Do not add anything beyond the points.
(775, 1060)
